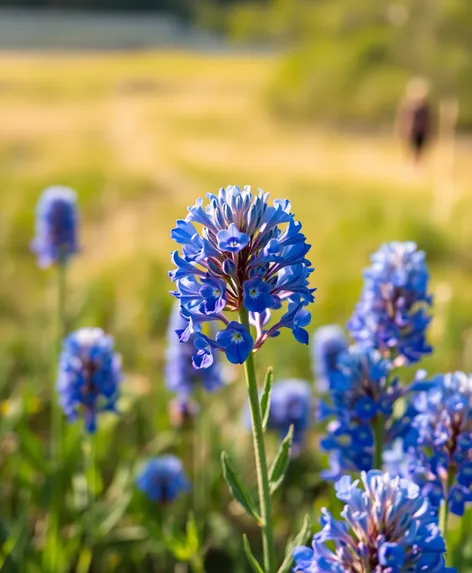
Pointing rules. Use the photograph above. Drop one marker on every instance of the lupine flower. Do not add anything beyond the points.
(89, 375)
(248, 255)
(328, 343)
(392, 315)
(162, 479)
(387, 527)
(440, 442)
(291, 403)
(56, 226)
(180, 374)
(362, 389)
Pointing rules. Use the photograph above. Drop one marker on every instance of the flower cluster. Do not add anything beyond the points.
(361, 390)
(392, 315)
(248, 256)
(440, 443)
(56, 226)
(387, 527)
(162, 479)
(180, 374)
(328, 343)
(291, 403)
(89, 375)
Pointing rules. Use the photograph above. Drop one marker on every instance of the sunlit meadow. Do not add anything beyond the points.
(140, 137)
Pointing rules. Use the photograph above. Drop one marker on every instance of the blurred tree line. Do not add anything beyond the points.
(349, 61)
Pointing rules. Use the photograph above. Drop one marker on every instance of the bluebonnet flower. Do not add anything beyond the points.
(392, 315)
(56, 226)
(440, 440)
(89, 375)
(328, 343)
(248, 255)
(387, 527)
(162, 479)
(180, 374)
(291, 403)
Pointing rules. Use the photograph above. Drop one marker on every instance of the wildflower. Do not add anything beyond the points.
(162, 479)
(387, 526)
(180, 374)
(328, 343)
(362, 389)
(291, 403)
(248, 255)
(392, 313)
(89, 375)
(56, 226)
(440, 443)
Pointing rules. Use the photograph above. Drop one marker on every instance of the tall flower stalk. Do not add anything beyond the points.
(55, 242)
(247, 257)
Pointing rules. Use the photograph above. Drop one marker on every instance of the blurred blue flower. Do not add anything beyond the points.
(387, 526)
(328, 343)
(392, 315)
(291, 403)
(180, 374)
(247, 254)
(56, 226)
(162, 479)
(89, 375)
(440, 440)
(362, 388)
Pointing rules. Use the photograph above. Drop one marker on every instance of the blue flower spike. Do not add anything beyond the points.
(392, 315)
(56, 226)
(439, 441)
(89, 376)
(387, 526)
(237, 253)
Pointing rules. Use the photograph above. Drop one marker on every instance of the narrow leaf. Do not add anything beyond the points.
(280, 464)
(237, 489)
(300, 539)
(250, 556)
(265, 398)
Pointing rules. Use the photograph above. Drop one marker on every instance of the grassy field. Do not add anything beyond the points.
(140, 136)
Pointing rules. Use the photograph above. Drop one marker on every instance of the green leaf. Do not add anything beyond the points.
(192, 534)
(300, 539)
(265, 398)
(252, 560)
(280, 464)
(237, 489)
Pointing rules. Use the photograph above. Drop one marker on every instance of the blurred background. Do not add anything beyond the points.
(144, 105)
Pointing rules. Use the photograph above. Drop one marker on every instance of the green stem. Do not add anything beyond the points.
(56, 417)
(444, 518)
(90, 463)
(261, 461)
(379, 434)
(198, 461)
